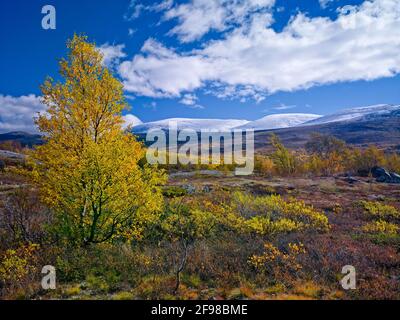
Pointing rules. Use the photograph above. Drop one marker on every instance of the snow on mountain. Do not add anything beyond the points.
(131, 120)
(279, 121)
(195, 124)
(355, 114)
(273, 121)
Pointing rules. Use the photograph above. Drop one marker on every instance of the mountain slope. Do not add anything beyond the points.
(25, 139)
(356, 114)
(131, 120)
(194, 124)
(381, 129)
(278, 121)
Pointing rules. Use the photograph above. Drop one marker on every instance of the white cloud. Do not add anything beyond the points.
(283, 106)
(112, 54)
(135, 9)
(161, 72)
(17, 113)
(324, 3)
(198, 17)
(130, 120)
(253, 60)
(189, 99)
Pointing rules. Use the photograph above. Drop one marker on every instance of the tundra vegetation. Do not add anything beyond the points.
(114, 227)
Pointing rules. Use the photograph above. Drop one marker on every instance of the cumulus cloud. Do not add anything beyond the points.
(17, 113)
(253, 60)
(112, 54)
(198, 17)
(161, 72)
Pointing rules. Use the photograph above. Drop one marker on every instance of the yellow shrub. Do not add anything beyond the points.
(379, 210)
(381, 227)
(365, 160)
(264, 165)
(392, 162)
(272, 215)
(18, 263)
(278, 262)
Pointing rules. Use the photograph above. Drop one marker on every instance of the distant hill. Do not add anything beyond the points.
(25, 139)
(279, 121)
(379, 124)
(353, 114)
(188, 123)
(379, 128)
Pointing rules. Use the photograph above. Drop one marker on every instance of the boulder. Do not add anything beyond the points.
(395, 177)
(384, 176)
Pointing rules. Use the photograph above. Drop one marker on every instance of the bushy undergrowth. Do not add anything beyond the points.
(324, 156)
(196, 243)
(383, 226)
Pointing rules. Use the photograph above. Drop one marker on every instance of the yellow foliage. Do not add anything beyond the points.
(264, 165)
(392, 162)
(274, 260)
(272, 215)
(379, 210)
(88, 170)
(381, 227)
(284, 160)
(16, 264)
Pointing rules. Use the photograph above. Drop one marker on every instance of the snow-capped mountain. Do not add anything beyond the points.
(273, 121)
(355, 114)
(131, 120)
(194, 124)
(279, 121)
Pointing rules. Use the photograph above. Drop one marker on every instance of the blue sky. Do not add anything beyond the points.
(210, 59)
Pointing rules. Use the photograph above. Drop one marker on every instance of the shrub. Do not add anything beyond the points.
(264, 165)
(379, 210)
(281, 264)
(185, 225)
(17, 267)
(24, 218)
(324, 145)
(271, 215)
(284, 160)
(381, 227)
(365, 160)
(392, 162)
(173, 191)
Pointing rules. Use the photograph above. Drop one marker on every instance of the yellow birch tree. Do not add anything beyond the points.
(88, 169)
